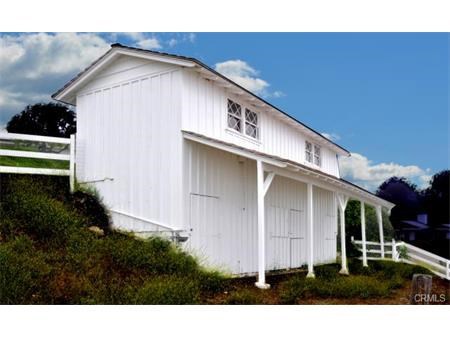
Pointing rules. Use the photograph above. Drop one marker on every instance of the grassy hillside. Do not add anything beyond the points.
(29, 162)
(32, 163)
(48, 255)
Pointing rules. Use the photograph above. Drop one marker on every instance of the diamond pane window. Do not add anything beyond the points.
(317, 159)
(308, 151)
(234, 116)
(251, 124)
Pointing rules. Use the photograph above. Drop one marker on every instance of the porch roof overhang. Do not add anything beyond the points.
(294, 170)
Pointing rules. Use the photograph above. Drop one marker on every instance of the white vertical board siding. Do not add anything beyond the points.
(129, 143)
(325, 226)
(205, 112)
(220, 200)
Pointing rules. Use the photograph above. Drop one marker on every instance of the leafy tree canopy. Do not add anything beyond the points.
(46, 119)
(404, 195)
(437, 201)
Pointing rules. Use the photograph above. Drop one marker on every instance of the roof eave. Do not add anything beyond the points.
(66, 93)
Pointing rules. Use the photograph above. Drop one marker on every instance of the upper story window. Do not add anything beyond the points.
(251, 123)
(317, 158)
(246, 124)
(234, 116)
(312, 154)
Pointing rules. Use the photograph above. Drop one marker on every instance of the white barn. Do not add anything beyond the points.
(174, 147)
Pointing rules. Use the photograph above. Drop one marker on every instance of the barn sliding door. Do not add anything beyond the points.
(297, 236)
(278, 246)
(286, 247)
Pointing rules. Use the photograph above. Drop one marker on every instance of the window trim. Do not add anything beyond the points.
(313, 154)
(234, 115)
(243, 122)
(255, 125)
(317, 155)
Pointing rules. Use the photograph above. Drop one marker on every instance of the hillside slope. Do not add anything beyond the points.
(48, 255)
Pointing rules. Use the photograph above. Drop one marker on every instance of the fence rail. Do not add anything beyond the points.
(407, 253)
(38, 147)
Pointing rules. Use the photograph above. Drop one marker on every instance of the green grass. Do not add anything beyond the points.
(10, 161)
(380, 279)
(49, 256)
(32, 163)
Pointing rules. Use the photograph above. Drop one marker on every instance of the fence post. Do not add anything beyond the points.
(72, 162)
(380, 228)
(394, 251)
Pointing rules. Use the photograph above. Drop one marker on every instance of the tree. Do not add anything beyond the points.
(404, 195)
(353, 222)
(46, 119)
(436, 198)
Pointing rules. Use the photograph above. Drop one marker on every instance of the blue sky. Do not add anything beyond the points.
(384, 97)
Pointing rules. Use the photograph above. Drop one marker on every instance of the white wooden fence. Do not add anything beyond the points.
(39, 147)
(407, 253)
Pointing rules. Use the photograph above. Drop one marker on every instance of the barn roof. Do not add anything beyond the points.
(63, 93)
(353, 190)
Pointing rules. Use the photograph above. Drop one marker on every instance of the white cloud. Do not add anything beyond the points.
(245, 75)
(360, 170)
(178, 38)
(278, 93)
(32, 66)
(151, 43)
(172, 42)
(135, 36)
(191, 37)
(43, 53)
(331, 136)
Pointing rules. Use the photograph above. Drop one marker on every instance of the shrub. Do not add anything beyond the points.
(295, 288)
(403, 252)
(39, 215)
(388, 269)
(244, 297)
(210, 281)
(340, 287)
(154, 255)
(355, 286)
(355, 267)
(328, 271)
(91, 207)
(168, 290)
(23, 272)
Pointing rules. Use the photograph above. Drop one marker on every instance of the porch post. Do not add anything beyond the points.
(261, 283)
(342, 199)
(380, 227)
(310, 220)
(363, 233)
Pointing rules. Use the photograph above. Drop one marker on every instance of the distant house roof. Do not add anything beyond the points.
(60, 95)
(443, 227)
(415, 225)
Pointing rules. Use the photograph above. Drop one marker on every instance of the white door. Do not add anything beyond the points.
(297, 238)
(278, 247)
(206, 237)
(286, 245)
